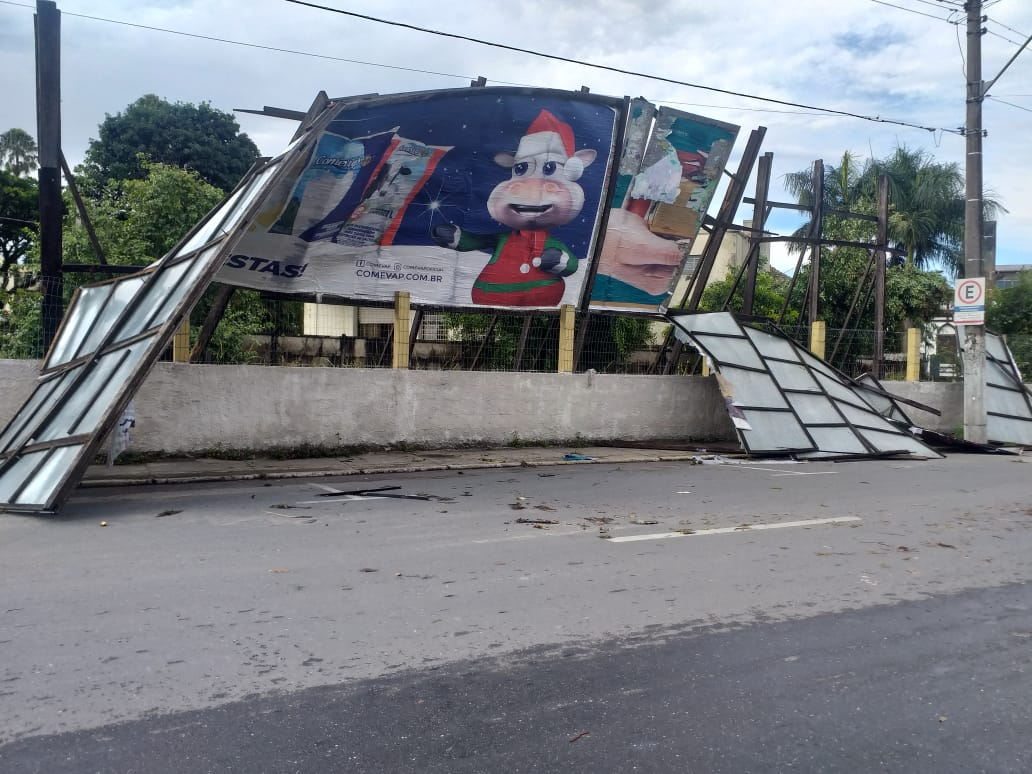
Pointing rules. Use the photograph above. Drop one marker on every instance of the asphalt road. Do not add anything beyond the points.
(275, 628)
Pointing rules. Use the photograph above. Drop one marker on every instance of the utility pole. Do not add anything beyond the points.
(48, 130)
(974, 335)
(974, 235)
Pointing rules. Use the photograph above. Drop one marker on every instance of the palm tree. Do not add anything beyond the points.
(18, 152)
(926, 202)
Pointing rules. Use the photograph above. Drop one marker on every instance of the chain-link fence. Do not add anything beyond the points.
(262, 330)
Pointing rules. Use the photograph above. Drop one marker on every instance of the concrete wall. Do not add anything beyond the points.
(948, 397)
(193, 407)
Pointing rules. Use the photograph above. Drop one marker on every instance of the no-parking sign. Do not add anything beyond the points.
(969, 301)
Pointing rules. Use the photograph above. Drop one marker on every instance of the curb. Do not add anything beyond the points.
(95, 483)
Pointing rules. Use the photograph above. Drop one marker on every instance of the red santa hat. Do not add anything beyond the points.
(546, 135)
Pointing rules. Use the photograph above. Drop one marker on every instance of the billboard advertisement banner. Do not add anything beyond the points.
(477, 197)
(658, 203)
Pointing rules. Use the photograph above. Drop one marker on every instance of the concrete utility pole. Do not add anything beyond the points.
(974, 335)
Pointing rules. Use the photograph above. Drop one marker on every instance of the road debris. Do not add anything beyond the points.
(173, 512)
(579, 736)
(536, 521)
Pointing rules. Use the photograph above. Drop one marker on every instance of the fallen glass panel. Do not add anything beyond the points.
(78, 322)
(830, 417)
(113, 333)
(1008, 405)
(793, 376)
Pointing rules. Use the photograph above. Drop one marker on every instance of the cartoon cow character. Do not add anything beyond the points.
(527, 266)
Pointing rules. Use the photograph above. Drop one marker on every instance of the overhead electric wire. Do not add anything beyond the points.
(912, 10)
(813, 109)
(1010, 104)
(620, 70)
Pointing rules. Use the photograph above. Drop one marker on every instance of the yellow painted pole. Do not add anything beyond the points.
(913, 354)
(818, 338)
(567, 323)
(705, 366)
(181, 343)
(402, 322)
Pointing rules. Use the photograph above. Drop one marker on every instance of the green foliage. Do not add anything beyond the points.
(245, 316)
(609, 341)
(768, 296)
(195, 137)
(19, 214)
(20, 325)
(1009, 309)
(19, 154)
(912, 295)
(138, 221)
(926, 204)
(498, 352)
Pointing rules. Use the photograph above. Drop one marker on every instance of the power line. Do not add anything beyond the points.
(246, 45)
(1009, 29)
(1010, 104)
(805, 109)
(908, 10)
(619, 70)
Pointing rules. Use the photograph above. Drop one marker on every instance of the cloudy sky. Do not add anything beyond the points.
(898, 59)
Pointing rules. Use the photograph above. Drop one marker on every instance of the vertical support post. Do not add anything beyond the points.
(818, 337)
(913, 354)
(725, 215)
(705, 365)
(816, 232)
(219, 304)
(48, 121)
(402, 321)
(759, 224)
(567, 323)
(417, 323)
(181, 343)
(974, 335)
(880, 255)
(522, 346)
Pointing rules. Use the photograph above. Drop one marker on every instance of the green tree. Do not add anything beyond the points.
(19, 212)
(18, 152)
(1009, 311)
(195, 137)
(768, 296)
(926, 204)
(138, 221)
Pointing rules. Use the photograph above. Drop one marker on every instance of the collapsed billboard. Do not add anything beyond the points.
(487, 197)
(660, 197)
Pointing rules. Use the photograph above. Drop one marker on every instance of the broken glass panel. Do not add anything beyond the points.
(830, 415)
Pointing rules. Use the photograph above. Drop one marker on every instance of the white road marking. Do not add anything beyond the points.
(777, 472)
(727, 530)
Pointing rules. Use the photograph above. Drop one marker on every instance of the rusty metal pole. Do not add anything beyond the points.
(880, 255)
(759, 223)
(816, 232)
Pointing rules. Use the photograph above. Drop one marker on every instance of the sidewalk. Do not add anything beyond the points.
(184, 471)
